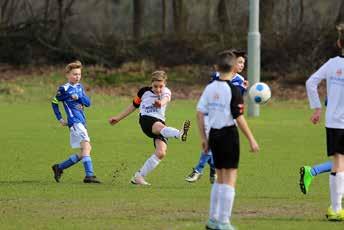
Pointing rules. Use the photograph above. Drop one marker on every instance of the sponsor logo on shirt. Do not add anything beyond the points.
(339, 72)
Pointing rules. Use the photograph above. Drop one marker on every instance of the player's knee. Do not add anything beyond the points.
(86, 148)
(160, 153)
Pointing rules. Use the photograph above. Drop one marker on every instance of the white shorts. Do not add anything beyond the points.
(78, 133)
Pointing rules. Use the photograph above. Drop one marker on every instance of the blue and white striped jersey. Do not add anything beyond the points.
(73, 108)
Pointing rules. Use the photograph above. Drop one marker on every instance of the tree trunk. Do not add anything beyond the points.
(179, 17)
(164, 16)
(222, 15)
(301, 11)
(340, 16)
(138, 19)
(266, 12)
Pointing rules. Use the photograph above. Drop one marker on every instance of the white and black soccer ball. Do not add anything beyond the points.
(260, 93)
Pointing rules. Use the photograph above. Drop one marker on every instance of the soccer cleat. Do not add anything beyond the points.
(57, 172)
(211, 225)
(185, 129)
(139, 180)
(194, 176)
(91, 179)
(333, 216)
(306, 178)
(225, 226)
(212, 176)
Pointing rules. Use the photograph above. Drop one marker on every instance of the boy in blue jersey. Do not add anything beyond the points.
(205, 158)
(74, 99)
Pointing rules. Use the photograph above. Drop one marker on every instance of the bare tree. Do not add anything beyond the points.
(179, 17)
(138, 18)
(266, 13)
(222, 16)
(164, 16)
(301, 10)
(340, 16)
(64, 10)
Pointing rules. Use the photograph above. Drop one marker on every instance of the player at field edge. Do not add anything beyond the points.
(240, 82)
(223, 103)
(74, 99)
(152, 102)
(333, 72)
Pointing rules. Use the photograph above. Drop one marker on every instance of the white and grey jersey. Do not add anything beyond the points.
(223, 103)
(333, 72)
(145, 101)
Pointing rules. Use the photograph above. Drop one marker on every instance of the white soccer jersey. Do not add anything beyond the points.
(223, 103)
(333, 72)
(145, 101)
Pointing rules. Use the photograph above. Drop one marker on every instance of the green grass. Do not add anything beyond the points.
(267, 197)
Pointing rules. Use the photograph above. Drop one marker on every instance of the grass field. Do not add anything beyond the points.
(267, 197)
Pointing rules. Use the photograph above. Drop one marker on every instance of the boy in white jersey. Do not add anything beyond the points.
(333, 72)
(205, 158)
(223, 103)
(152, 102)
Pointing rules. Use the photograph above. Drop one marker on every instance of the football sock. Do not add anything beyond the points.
(170, 132)
(226, 203)
(336, 191)
(204, 158)
(87, 162)
(73, 159)
(149, 165)
(214, 202)
(321, 168)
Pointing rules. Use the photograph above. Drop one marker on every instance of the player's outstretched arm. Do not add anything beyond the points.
(241, 121)
(115, 119)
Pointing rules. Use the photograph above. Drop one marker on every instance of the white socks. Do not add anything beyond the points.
(337, 190)
(221, 202)
(214, 202)
(170, 132)
(149, 165)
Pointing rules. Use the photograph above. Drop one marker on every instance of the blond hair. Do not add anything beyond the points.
(73, 65)
(159, 75)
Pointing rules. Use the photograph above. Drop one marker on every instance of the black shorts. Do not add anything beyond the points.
(224, 144)
(335, 141)
(146, 123)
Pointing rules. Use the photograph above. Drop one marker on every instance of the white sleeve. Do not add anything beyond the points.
(202, 105)
(166, 93)
(312, 85)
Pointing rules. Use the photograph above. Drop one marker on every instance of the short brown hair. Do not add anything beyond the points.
(225, 60)
(73, 65)
(159, 75)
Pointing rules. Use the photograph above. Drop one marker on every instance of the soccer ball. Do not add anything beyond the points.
(259, 93)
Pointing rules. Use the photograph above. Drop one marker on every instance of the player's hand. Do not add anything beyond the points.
(246, 84)
(315, 118)
(113, 120)
(75, 97)
(254, 146)
(157, 103)
(63, 122)
(205, 145)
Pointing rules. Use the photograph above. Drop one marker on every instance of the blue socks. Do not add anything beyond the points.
(321, 168)
(87, 162)
(205, 158)
(72, 160)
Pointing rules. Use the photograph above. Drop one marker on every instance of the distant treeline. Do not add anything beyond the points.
(297, 35)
